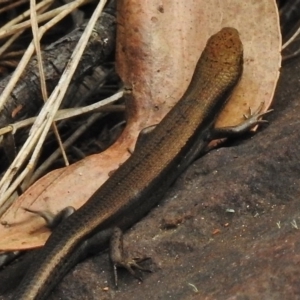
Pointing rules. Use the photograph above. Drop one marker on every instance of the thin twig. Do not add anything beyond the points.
(25, 14)
(28, 53)
(12, 5)
(40, 18)
(46, 116)
(75, 135)
(9, 42)
(69, 113)
(37, 45)
(291, 39)
(30, 143)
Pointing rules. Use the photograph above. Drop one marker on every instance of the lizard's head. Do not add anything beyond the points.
(225, 47)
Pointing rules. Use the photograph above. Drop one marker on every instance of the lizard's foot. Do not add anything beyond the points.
(52, 220)
(251, 120)
(255, 117)
(120, 259)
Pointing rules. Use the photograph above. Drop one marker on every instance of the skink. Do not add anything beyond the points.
(142, 180)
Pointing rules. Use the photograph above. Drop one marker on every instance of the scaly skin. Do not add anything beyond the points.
(141, 181)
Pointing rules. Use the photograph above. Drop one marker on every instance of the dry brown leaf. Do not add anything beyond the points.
(159, 43)
(164, 40)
